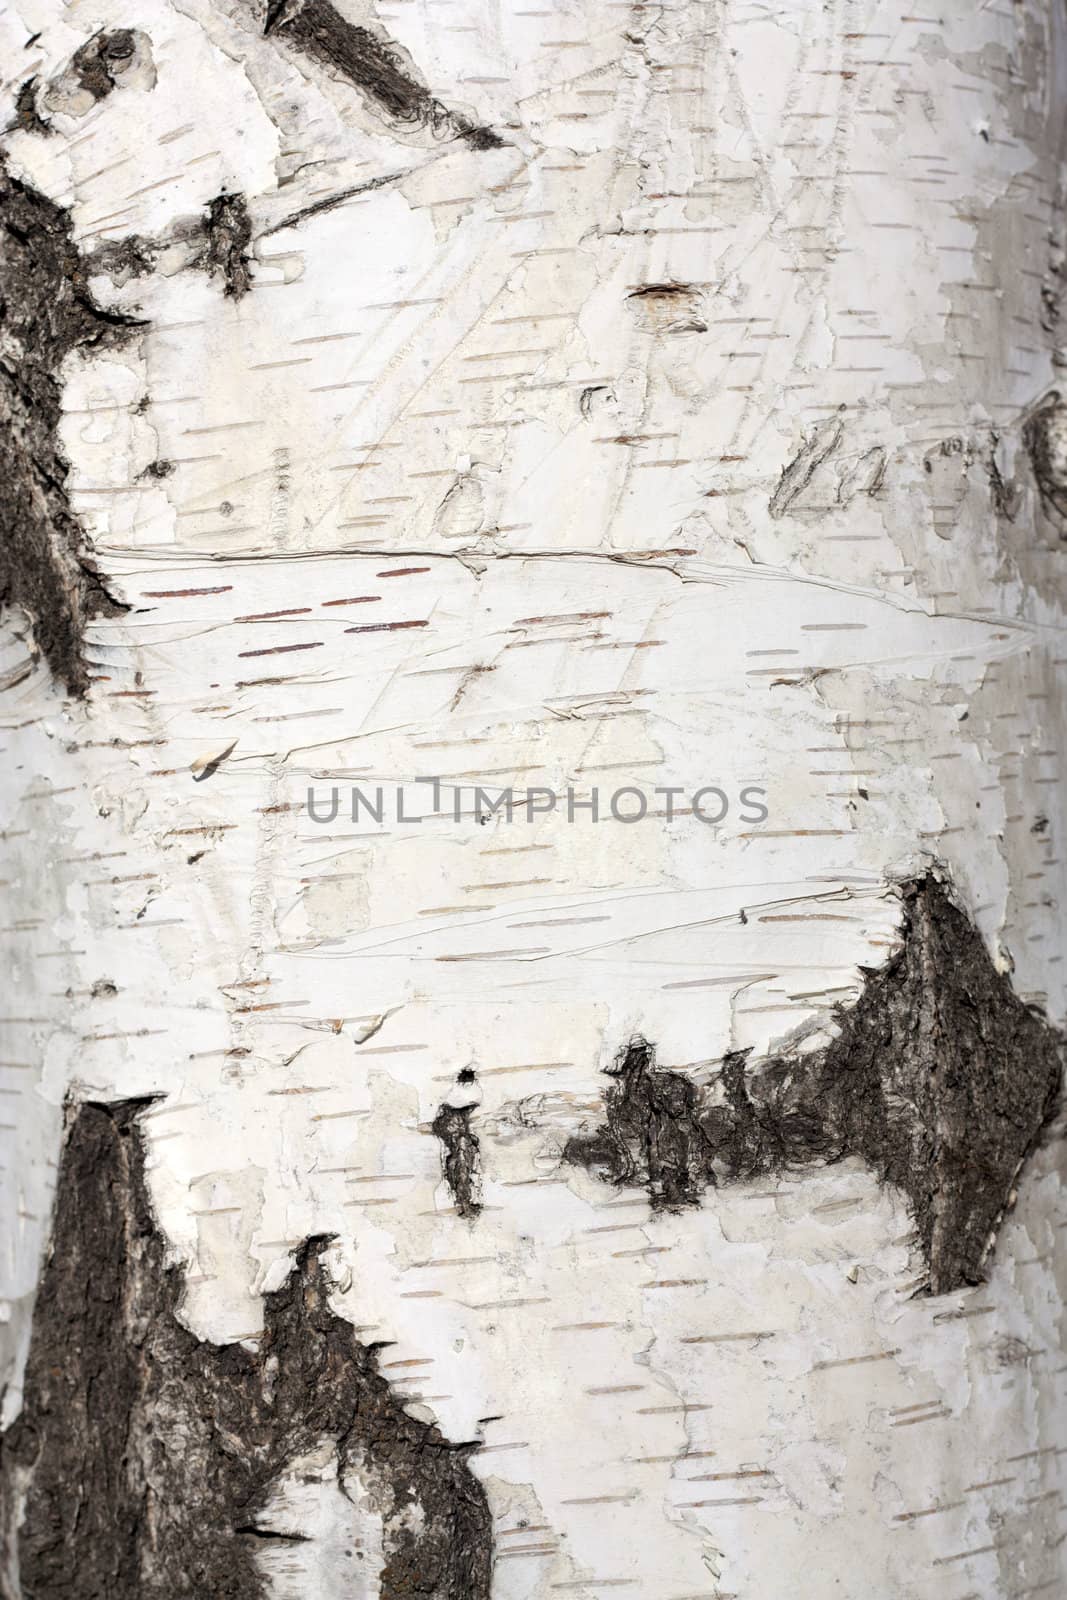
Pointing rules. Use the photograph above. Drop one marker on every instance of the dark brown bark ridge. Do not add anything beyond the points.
(46, 311)
(940, 1078)
(144, 1459)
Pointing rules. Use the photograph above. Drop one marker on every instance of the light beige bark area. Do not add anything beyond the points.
(701, 432)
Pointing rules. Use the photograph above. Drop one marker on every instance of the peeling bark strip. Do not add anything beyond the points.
(318, 30)
(46, 312)
(143, 1457)
(452, 1125)
(940, 1078)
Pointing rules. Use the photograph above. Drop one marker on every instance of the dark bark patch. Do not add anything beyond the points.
(319, 31)
(460, 1157)
(143, 1459)
(27, 118)
(940, 1078)
(228, 234)
(112, 59)
(216, 242)
(819, 445)
(46, 312)
(123, 259)
(1045, 439)
(99, 61)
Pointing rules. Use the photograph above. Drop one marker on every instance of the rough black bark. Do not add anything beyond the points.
(939, 1077)
(46, 311)
(143, 1459)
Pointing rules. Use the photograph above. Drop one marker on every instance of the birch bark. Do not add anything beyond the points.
(579, 397)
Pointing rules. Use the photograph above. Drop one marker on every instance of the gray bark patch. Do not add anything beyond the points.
(143, 1458)
(940, 1078)
(46, 311)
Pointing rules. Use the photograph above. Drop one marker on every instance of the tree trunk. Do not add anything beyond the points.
(533, 726)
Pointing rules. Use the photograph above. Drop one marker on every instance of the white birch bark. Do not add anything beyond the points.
(450, 497)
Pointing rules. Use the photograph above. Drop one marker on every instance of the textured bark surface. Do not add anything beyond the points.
(939, 1077)
(143, 1461)
(574, 398)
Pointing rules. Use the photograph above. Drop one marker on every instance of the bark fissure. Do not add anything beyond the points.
(144, 1458)
(820, 444)
(28, 118)
(940, 1078)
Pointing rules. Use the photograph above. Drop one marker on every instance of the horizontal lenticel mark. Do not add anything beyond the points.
(180, 594)
(281, 649)
(387, 627)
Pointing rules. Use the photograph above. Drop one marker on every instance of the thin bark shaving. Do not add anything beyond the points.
(940, 1078)
(143, 1460)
